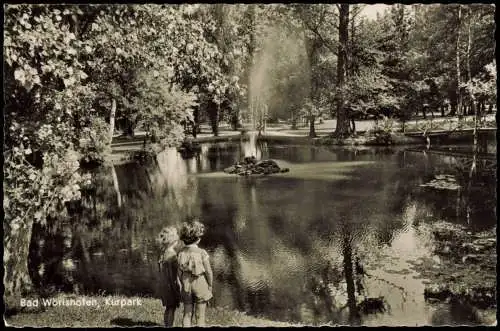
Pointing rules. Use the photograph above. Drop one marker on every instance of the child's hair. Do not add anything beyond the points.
(191, 231)
(167, 236)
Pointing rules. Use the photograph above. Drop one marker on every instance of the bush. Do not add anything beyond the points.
(381, 133)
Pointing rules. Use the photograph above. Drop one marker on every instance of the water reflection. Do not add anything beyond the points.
(277, 244)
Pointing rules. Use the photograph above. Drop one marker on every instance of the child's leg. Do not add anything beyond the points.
(168, 317)
(200, 308)
(188, 312)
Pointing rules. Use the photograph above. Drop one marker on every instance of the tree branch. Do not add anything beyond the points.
(333, 13)
(356, 11)
(325, 42)
(323, 13)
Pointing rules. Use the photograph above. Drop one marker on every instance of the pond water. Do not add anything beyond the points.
(273, 239)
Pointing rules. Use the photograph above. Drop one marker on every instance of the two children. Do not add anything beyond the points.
(186, 274)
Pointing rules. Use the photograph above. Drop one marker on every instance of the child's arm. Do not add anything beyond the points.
(178, 278)
(208, 271)
(178, 274)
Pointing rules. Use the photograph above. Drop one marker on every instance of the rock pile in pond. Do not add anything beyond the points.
(250, 166)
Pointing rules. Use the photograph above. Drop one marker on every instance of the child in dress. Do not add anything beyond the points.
(195, 274)
(169, 283)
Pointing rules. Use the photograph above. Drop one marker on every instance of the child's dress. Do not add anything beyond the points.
(169, 287)
(194, 286)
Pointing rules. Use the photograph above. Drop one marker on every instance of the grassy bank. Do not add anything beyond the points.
(135, 312)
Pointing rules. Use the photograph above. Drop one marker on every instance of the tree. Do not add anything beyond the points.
(164, 106)
(342, 128)
(217, 77)
(459, 34)
(47, 113)
(311, 110)
(314, 24)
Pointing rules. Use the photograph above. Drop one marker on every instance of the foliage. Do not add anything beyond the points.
(311, 110)
(484, 86)
(47, 109)
(163, 107)
(368, 93)
(381, 133)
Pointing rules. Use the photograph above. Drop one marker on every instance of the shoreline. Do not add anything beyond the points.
(123, 145)
(398, 139)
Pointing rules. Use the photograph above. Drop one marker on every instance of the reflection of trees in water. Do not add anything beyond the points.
(224, 237)
(376, 218)
(473, 203)
(324, 153)
(402, 189)
(477, 179)
(226, 224)
(57, 254)
(297, 218)
(217, 156)
(106, 238)
(341, 287)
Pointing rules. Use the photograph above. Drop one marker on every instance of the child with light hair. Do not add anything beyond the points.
(195, 274)
(168, 239)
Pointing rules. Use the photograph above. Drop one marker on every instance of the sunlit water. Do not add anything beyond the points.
(269, 236)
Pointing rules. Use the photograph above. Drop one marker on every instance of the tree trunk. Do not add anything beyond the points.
(116, 186)
(214, 118)
(250, 15)
(342, 128)
(146, 136)
(130, 127)
(112, 121)
(472, 106)
(294, 120)
(453, 110)
(312, 47)
(453, 100)
(472, 97)
(312, 130)
(351, 43)
(458, 94)
(469, 43)
(196, 121)
(17, 281)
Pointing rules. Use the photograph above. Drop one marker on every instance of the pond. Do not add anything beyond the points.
(272, 239)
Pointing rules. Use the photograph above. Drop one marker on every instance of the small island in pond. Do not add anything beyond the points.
(250, 166)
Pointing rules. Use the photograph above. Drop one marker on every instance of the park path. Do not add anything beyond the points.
(328, 126)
